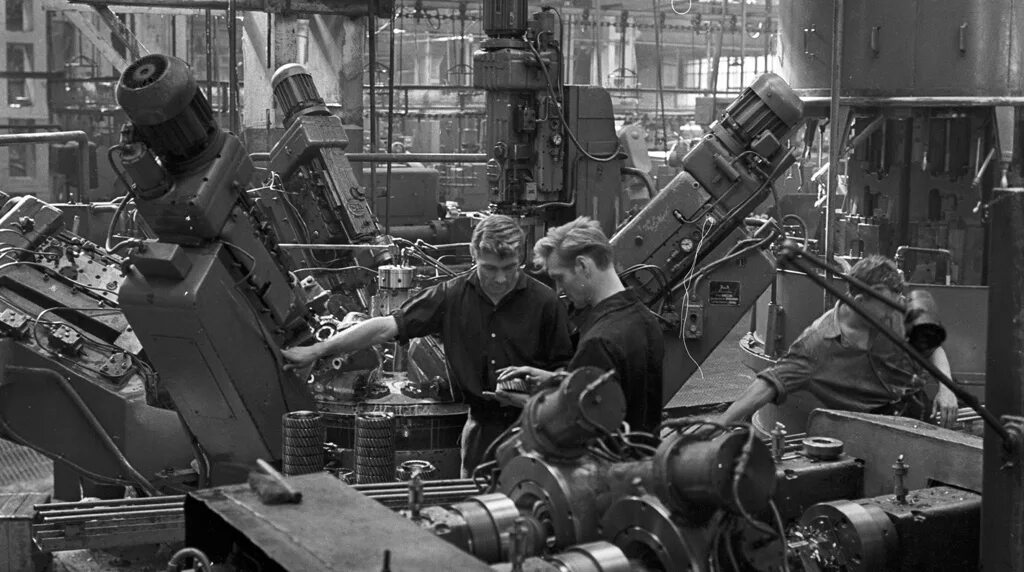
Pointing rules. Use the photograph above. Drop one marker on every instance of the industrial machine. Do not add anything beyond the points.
(688, 253)
(554, 153)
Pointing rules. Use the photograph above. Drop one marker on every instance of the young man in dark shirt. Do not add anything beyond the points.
(617, 332)
(488, 319)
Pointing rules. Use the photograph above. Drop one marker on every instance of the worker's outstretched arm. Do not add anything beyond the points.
(755, 397)
(361, 336)
(945, 406)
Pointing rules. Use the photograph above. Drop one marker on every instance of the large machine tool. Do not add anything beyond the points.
(553, 149)
(688, 253)
(211, 299)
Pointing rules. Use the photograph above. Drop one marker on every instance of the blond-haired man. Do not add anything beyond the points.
(489, 318)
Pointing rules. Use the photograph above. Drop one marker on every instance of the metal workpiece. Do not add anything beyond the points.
(302, 443)
(598, 556)
(375, 447)
(696, 474)
(937, 454)
(335, 528)
(932, 529)
(646, 531)
(483, 526)
(109, 523)
(559, 421)
(803, 481)
(568, 499)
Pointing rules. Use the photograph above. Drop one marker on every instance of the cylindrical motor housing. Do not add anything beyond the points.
(296, 94)
(506, 18)
(169, 112)
(769, 107)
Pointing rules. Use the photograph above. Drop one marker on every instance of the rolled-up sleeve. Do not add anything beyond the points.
(793, 372)
(423, 314)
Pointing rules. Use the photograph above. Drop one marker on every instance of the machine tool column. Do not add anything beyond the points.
(1002, 529)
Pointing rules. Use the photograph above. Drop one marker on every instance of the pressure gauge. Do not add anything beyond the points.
(686, 245)
(556, 140)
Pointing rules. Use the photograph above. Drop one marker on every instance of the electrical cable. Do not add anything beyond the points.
(782, 533)
(561, 115)
(686, 299)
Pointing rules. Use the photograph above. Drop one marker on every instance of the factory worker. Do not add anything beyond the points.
(617, 332)
(846, 364)
(489, 318)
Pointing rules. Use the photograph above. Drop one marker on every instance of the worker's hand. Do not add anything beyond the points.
(301, 356)
(509, 398)
(945, 407)
(532, 375)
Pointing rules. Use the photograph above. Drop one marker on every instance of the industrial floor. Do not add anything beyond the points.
(22, 469)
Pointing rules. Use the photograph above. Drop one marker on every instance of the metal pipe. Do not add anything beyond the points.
(441, 482)
(334, 246)
(401, 157)
(835, 129)
(106, 510)
(78, 137)
(118, 502)
(1003, 501)
(117, 515)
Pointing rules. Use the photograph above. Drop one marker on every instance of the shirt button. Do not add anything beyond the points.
(493, 335)
(493, 362)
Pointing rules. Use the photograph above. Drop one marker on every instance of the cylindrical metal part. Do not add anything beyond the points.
(506, 18)
(560, 421)
(375, 447)
(489, 519)
(302, 443)
(924, 328)
(140, 164)
(296, 93)
(168, 110)
(695, 475)
(409, 469)
(394, 277)
(597, 556)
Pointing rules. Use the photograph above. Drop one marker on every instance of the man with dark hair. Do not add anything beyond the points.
(848, 365)
(618, 332)
(488, 319)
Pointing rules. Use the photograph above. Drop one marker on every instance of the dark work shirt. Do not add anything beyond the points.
(527, 327)
(841, 375)
(620, 333)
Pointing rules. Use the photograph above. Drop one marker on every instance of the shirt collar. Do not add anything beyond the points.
(830, 324)
(474, 279)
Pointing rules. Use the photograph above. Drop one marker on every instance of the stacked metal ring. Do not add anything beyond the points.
(409, 469)
(375, 447)
(302, 443)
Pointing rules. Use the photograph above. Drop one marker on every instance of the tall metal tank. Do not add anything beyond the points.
(906, 48)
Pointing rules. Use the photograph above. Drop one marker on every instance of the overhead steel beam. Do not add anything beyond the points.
(134, 47)
(93, 35)
(349, 8)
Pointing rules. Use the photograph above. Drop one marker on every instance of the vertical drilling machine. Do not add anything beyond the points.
(553, 150)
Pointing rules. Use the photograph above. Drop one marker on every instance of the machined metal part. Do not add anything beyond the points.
(851, 536)
(822, 448)
(802, 482)
(559, 421)
(394, 277)
(935, 528)
(645, 530)
(375, 447)
(562, 497)
(489, 519)
(302, 443)
(695, 474)
(600, 556)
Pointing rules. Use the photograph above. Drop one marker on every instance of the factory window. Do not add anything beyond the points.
(19, 59)
(19, 15)
(21, 157)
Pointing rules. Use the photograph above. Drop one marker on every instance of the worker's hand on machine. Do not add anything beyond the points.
(945, 407)
(301, 356)
(531, 375)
